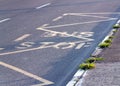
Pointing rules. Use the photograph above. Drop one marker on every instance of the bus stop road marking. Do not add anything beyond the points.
(70, 35)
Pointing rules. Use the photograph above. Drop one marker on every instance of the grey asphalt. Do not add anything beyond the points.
(56, 65)
(107, 72)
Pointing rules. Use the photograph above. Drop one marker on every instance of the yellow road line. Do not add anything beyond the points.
(45, 82)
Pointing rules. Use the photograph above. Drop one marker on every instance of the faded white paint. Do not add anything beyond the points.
(22, 37)
(42, 6)
(2, 48)
(28, 46)
(79, 23)
(4, 20)
(66, 34)
(58, 18)
(93, 13)
(79, 34)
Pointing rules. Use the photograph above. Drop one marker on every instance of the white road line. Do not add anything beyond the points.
(21, 51)
(58, 18)
(4, 20)
(118, 22)
(65, 14)
(80, 46)
(22, 37)
(96, 13)
(42, 6)
(44, 25)
(71, 35)
(32, 49)
(89, 15)
(44, 81)
(73, 24)
(1, 48)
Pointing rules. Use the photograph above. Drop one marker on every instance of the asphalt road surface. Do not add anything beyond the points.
(44, 41)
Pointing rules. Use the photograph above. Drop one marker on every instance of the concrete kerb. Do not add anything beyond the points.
(79, 75)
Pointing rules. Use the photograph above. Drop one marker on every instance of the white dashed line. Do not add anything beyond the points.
(42, 6)
(4, 20)
(44, 81)
(22, 37)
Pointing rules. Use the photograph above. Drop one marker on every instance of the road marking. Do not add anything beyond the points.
(118, 22)
(58, 18)
(73, 24)
(80, 46)
(22, 37)
(65, 14)
(95, 13)
(88, 15)
(71, 35)
(45, 82)
(4, 20)
(44, 45)
(1, 48)
(44, 25)
(20, 51)
(42, 6)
